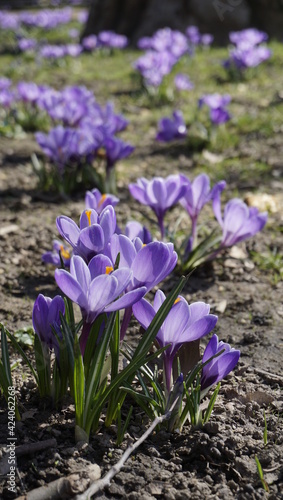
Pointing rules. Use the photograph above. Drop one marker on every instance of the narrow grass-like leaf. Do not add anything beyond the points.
(5, 355)
(79, 383)
(211, 404)
(95, 371)
(22, 353)
(158, 320)
(261, 476)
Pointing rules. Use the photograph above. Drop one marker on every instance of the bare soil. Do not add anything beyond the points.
(215, 462)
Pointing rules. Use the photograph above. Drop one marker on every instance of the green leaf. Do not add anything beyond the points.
(95, 370)
(79, 383)
(211, 404)
(22, 353)
(5, 356)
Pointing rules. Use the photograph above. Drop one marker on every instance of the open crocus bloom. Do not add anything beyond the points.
(172, 128)
(98, 201)
(239, 221)
(93, 234)
(150, 264)
(160, 194)
(220, 366)
(184, 323)
(96, 288)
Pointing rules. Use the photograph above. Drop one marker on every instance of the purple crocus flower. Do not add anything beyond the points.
(219, 367)
(182, 82)
(89, 42)
(52, 51)
(96, 288)
(93, 234)
(5, 83)
(216, 104)
(7, 97)
(207, 39)
(150, 264)
(97, 201)
(239, 221)
(198, 193)
(58, 145)
(184, 323)
(112, 40)
(135, 230)
(28, 91)
(115, 150)
(172, 128)
(159, 194)
(215, 101)
(73, 49)
(248, 37)
(193, 35)
(242, 57)
(53, 257)
(46, 314)
(26, 44)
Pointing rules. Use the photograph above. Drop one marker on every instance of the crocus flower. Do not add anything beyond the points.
(150, 264)
(239, 221)
(247, 57)
(93, 234)
(58, 145)
(184, 323)
(159, 194)
(112, 40)
(198, 193)
(94, 199)
(89, 42)
(115, 150)
(53, 257)
(182, 82)
(26, 44)
(96, 288)
(220, 366)
(135, 230)
(46, 314)
(215, 101)
(217, 104)
(5, 83)
(172, 128)
(248, 37)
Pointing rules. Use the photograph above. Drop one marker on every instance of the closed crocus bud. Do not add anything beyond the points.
(220, 366)
(45, 315)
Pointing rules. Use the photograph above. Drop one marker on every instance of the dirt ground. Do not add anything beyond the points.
(216, 462)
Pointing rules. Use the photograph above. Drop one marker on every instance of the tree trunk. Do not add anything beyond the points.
(137, 18)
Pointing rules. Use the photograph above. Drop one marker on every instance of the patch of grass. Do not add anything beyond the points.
(270, 260)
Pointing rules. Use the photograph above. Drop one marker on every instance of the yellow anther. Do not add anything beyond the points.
(102, 199)
(177, 300)
(108, 270)
(144, 245)
(64, 253)
(88, 214)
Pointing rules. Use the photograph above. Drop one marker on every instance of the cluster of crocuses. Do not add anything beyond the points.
(237, 223)
(163, 50)
(86, 130)
(82, 128)
(110, 272)
(45, 18)
(174, 128)
(105, 39)
(248, 50)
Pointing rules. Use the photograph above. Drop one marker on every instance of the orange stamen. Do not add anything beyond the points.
(102, 199)
(177, 300)
(108, 270)
(88, 214)
(64, 253)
